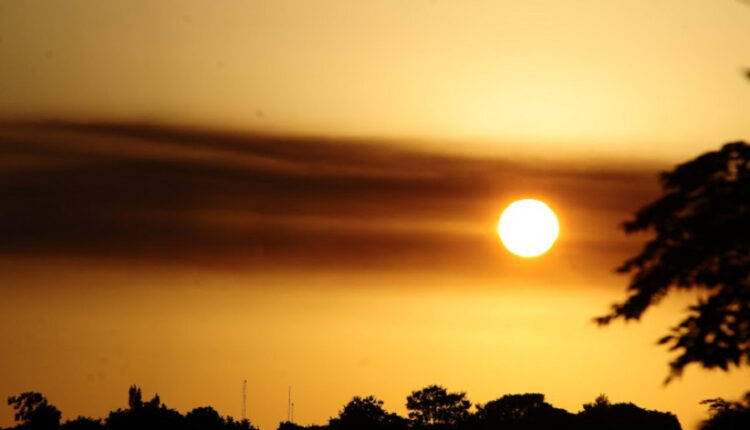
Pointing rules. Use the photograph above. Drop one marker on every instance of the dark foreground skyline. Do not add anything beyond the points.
(432, 407)
(306, 194)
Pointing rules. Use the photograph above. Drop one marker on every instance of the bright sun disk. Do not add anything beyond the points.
(528, 228)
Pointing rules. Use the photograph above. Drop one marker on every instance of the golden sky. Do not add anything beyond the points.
(646, 78)
(186, 261)
(362, 258)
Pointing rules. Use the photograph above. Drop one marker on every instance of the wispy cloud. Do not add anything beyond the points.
(167, 194)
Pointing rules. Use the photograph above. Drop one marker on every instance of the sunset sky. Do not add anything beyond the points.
(305, 193)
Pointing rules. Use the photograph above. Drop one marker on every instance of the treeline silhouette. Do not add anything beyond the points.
(33, 412)
(431, 408)
(434, 408)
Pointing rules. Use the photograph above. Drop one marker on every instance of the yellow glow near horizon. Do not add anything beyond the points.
(528, 228)
(539, 77)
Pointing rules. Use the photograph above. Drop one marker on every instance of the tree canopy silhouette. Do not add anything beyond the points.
(727, 415)
(433, 405)
(204, 418)
(522, 412)
(32, 411)
(623, 416)
(702, 242)
(366, 413)
(83, 423)
(445, 411)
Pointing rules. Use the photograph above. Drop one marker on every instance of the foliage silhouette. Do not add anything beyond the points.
(702, 227)
(32, 411)
(244, 424)
(433, 405)
(145, 415)
(135, 399)
(366, 413)
(522, 412)
(287, 425)
(727, 415)
(601, 402)
(83, 423)
(623, 416)
(437, 409)
(204, 418)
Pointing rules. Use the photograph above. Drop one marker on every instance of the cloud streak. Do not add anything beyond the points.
(158, 194)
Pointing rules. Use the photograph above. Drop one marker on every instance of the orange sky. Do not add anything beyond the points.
(660, 79)
(193, 336)
(186, 260)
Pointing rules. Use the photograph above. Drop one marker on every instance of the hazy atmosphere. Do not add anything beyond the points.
(306, 194)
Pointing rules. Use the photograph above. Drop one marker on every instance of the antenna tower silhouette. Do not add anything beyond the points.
(244, 399)
(289, 406)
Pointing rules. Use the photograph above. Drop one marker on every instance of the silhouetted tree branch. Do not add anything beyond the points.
(702, 241)
(726, 414)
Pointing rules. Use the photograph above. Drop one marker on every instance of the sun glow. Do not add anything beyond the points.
(528, 228)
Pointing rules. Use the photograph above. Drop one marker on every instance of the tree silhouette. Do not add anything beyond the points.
(623, 416)
(601, 402)
(32, 411)
(522, 411)
(204, 418)
(433, 408)
(135, 399)
(366, 414)
(702, 241)
(287, 425)
(243, 424)
(433, 405)
(511, 407)
(727, 415)
(83, 423)
(144, 415)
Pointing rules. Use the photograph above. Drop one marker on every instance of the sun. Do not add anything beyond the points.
(528, 228)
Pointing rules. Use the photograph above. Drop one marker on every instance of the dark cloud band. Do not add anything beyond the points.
(158, 194)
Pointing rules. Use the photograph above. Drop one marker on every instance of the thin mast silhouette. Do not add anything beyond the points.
(244, 399)
(289, 406)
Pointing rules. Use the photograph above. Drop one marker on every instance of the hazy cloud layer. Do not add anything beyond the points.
(136, 192)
